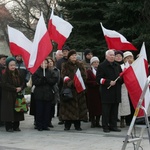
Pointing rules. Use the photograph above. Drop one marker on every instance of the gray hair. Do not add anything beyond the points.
(58, 51)
(108, 51)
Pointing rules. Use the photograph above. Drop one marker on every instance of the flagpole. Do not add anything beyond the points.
(114, 81)
(43, 69)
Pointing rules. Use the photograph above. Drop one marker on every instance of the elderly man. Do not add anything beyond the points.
(110, 91)
(58, 55)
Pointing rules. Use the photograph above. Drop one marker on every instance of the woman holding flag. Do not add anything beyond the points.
(44, 80)
(75, 110)
(124, 107)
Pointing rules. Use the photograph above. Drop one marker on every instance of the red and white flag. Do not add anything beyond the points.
(143, 54)
(19, 44)
(135, 78)
(41, 46)
(94, 71)
(116, 41)
(59, 29)
(78, 82)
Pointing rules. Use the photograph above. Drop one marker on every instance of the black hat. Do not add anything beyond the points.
(9, 59)
(2, 56)
(71, 53)
(119, 52)
(66, 48)
(87, 51)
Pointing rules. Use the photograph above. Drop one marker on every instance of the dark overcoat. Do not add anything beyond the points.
(44, 85)
(75, 109)
(10, 80)
(109, 72)
(93, 94)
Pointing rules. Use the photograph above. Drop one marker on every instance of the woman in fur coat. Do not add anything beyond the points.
(75, 110)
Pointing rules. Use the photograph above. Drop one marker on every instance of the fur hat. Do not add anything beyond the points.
(66, 48)
(71, 53)
(87, 51)
(119, 52)
(126, 54)
(9, 59)
(94, 59)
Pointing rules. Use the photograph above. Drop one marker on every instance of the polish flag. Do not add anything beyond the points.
(94, 71)
(143, 54)
(78, 82)
(41, 46)
(135, 78)
(19, 44)
(116, 41)
(59, 30)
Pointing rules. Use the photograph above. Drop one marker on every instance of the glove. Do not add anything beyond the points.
(66, 78)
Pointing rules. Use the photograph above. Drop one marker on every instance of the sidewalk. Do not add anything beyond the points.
(58, 139)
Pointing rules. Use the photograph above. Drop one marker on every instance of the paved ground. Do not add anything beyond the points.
(58, 139)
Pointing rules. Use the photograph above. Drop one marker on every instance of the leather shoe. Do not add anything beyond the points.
(17, 129)
(106, 130)
(40, 129)
(66, 129)
(98, 126)
(47, 129)
(78, 129)
(10, 130)
(61, 122)
(115, 129)
(50, 125)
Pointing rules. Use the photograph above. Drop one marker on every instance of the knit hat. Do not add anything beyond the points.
(119, 52)
(2, 56)
(87, 51)
(66, 48)
(71, 53)
(94, 59)
(126, 54)
(9, 59)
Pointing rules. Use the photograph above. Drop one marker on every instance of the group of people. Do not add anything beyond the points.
(104, 98)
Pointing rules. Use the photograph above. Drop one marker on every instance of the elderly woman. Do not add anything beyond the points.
(129, 58)
(124, 107)
(75, 110)
(12, 83)
(94, 104)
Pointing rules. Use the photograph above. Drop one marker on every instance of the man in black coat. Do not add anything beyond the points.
(106, 74)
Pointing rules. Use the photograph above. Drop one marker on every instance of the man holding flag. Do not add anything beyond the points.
(110, 91)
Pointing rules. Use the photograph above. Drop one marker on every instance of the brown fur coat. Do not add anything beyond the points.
(75, 109)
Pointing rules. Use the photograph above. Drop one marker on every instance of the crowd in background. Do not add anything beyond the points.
(103, 102)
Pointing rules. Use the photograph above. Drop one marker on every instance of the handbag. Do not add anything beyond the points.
(66, 94)
(20, 104)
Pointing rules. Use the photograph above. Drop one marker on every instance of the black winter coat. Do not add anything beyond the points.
(109, 72)
(10, 80)
(44, 85)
